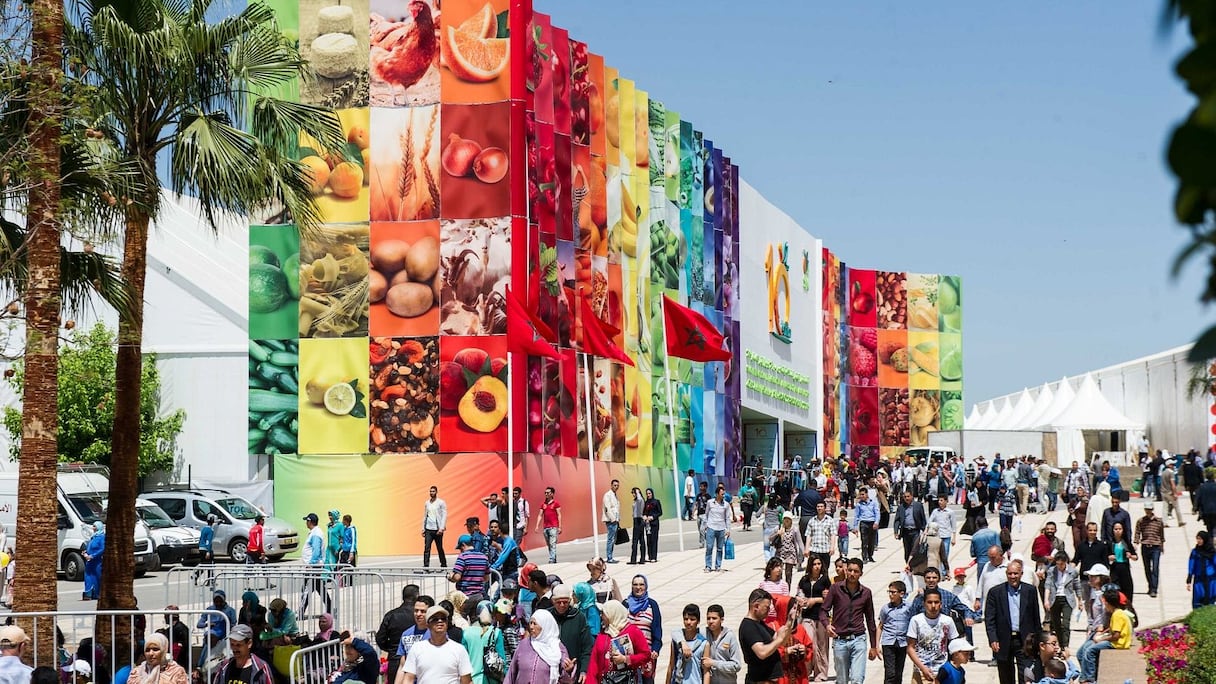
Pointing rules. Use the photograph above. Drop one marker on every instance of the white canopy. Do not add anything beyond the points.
(1021, 408)
(1063, 397)
(1089, 410)
(1041, 403)
(1002, 416)
(988, 413)
(972, 418)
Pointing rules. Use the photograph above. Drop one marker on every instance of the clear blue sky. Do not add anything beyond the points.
(1019, 145)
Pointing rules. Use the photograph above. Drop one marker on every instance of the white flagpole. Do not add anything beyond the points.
(511, 447)
(671, 418)
(588, 422)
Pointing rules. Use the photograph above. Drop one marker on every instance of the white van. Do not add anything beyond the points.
(81, 495)
(930, 454)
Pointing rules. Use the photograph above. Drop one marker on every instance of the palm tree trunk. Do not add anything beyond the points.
(118, 566)
(34, 587)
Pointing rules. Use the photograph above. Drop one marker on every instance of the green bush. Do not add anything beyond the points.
(1201, 659)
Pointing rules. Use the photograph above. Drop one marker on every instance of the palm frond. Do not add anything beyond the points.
(83, 275)
(278, 124)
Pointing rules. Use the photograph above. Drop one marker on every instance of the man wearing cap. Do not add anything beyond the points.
(1150, 535)
(79, 672)
(314, 556)
(243, 667)
(472, 528)
(952, 671)
(214, 624)
(573, 630)
(12, 646)
(255, 549)
(469, 570)
(434, 524)
(437, 659)
(1011, 613)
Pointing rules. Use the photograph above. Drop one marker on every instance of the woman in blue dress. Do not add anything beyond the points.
(92, 562)
(1201, 571)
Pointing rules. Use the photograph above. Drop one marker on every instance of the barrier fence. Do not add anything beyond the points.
(110, 640)
(357, 597)
(316, 664)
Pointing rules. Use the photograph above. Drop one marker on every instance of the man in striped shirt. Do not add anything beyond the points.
(469, 570)
(1150, 535)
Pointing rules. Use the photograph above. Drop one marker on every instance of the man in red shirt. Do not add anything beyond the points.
(255, 552)
(550, 518)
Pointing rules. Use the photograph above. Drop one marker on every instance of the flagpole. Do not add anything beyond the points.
(671, 418)
(511, 449)
(595, 523)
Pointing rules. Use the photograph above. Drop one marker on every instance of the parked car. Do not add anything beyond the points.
(190, 508)
(173, 543)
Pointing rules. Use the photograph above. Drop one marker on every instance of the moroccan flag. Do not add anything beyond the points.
(594, 339)
(525, 333)
(690, 335)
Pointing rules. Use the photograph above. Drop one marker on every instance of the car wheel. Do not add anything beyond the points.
(276, 559)
(154, 563)
(237, 550)
(140, 573)
(73, 566)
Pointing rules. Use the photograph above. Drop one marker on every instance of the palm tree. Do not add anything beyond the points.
(168, 80)
(1201, 382)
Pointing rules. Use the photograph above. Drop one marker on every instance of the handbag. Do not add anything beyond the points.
(493, 664)
(775, 540)
(622, 536)
(728, 551)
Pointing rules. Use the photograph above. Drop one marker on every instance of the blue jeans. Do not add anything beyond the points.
(945, 558)
(714, 539)
(1087, 656)
(849, 656)
(551, 542)
(842, 545)
(1152, 565)
(611, 542)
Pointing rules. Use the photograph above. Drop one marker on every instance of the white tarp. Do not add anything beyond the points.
(1089, 410)
(1041, 404)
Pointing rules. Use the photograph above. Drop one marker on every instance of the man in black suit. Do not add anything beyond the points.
(909, 521)
(1011, 613)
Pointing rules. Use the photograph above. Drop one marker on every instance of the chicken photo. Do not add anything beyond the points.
(403, 51)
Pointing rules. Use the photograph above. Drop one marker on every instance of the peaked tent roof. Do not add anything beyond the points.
(972, 418)
(1089, 410)
(1041, 404)
(1020, 410)
(1001, 417)
(1063, 397)
(988, 413)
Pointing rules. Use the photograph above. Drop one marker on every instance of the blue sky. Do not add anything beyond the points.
(1019, 145)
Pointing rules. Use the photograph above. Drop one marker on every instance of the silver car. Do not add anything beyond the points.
(190, 508)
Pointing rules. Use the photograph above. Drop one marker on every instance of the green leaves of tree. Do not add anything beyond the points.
(86, 405)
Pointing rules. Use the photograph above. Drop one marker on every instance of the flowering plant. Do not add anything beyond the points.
(1165, 653)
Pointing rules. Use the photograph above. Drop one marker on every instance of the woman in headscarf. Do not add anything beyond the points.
(458, 598)
(601, 583)
(1201, 571)
(584, 598)
(637, 546)
(652, 512)
(325, 629)
(621, 652)
(251, 610)
(483, 636)
(1098, 503)
(644, 614)
(333, 540)
(798, 648)
(92, 562)
(770, 519)
(158, 666)
(541, 658)
(526, 595)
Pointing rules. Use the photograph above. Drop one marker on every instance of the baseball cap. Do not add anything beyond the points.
(220, 593)
(435, 610)
(563, 591)
(80, 667)
(312, 518)
(240, 633)
(504, 606)
(1098, 570)
(957, 645)
(960, 572)
(472, 520)
(464, 540)
(1148, 505)
(510, 584)
(11, 635)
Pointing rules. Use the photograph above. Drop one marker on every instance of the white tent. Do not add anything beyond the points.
(999, 416)
(1088, 411)
(1041, 403)
(1063, 397)
(1010, 420)
(988, 414)
(972, 418)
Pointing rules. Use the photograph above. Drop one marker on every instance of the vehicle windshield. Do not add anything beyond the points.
(89, 508)
(154, 516)
(239, 508)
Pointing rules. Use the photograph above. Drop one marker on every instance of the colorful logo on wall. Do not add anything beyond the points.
(776, 265)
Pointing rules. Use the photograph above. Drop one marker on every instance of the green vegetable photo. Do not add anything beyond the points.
(274, 282)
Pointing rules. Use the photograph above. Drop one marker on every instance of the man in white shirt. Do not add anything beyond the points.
(718, 514)
(434, 524)
(944, 517)
(690, 493)
(12, 647)
(611, 517)
(993, 575)
(437, 660)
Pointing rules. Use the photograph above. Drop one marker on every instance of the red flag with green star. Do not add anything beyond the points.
(690, 335)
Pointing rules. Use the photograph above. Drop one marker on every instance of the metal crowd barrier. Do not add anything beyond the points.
(315, 664)
(76, 635)
(357, 597)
